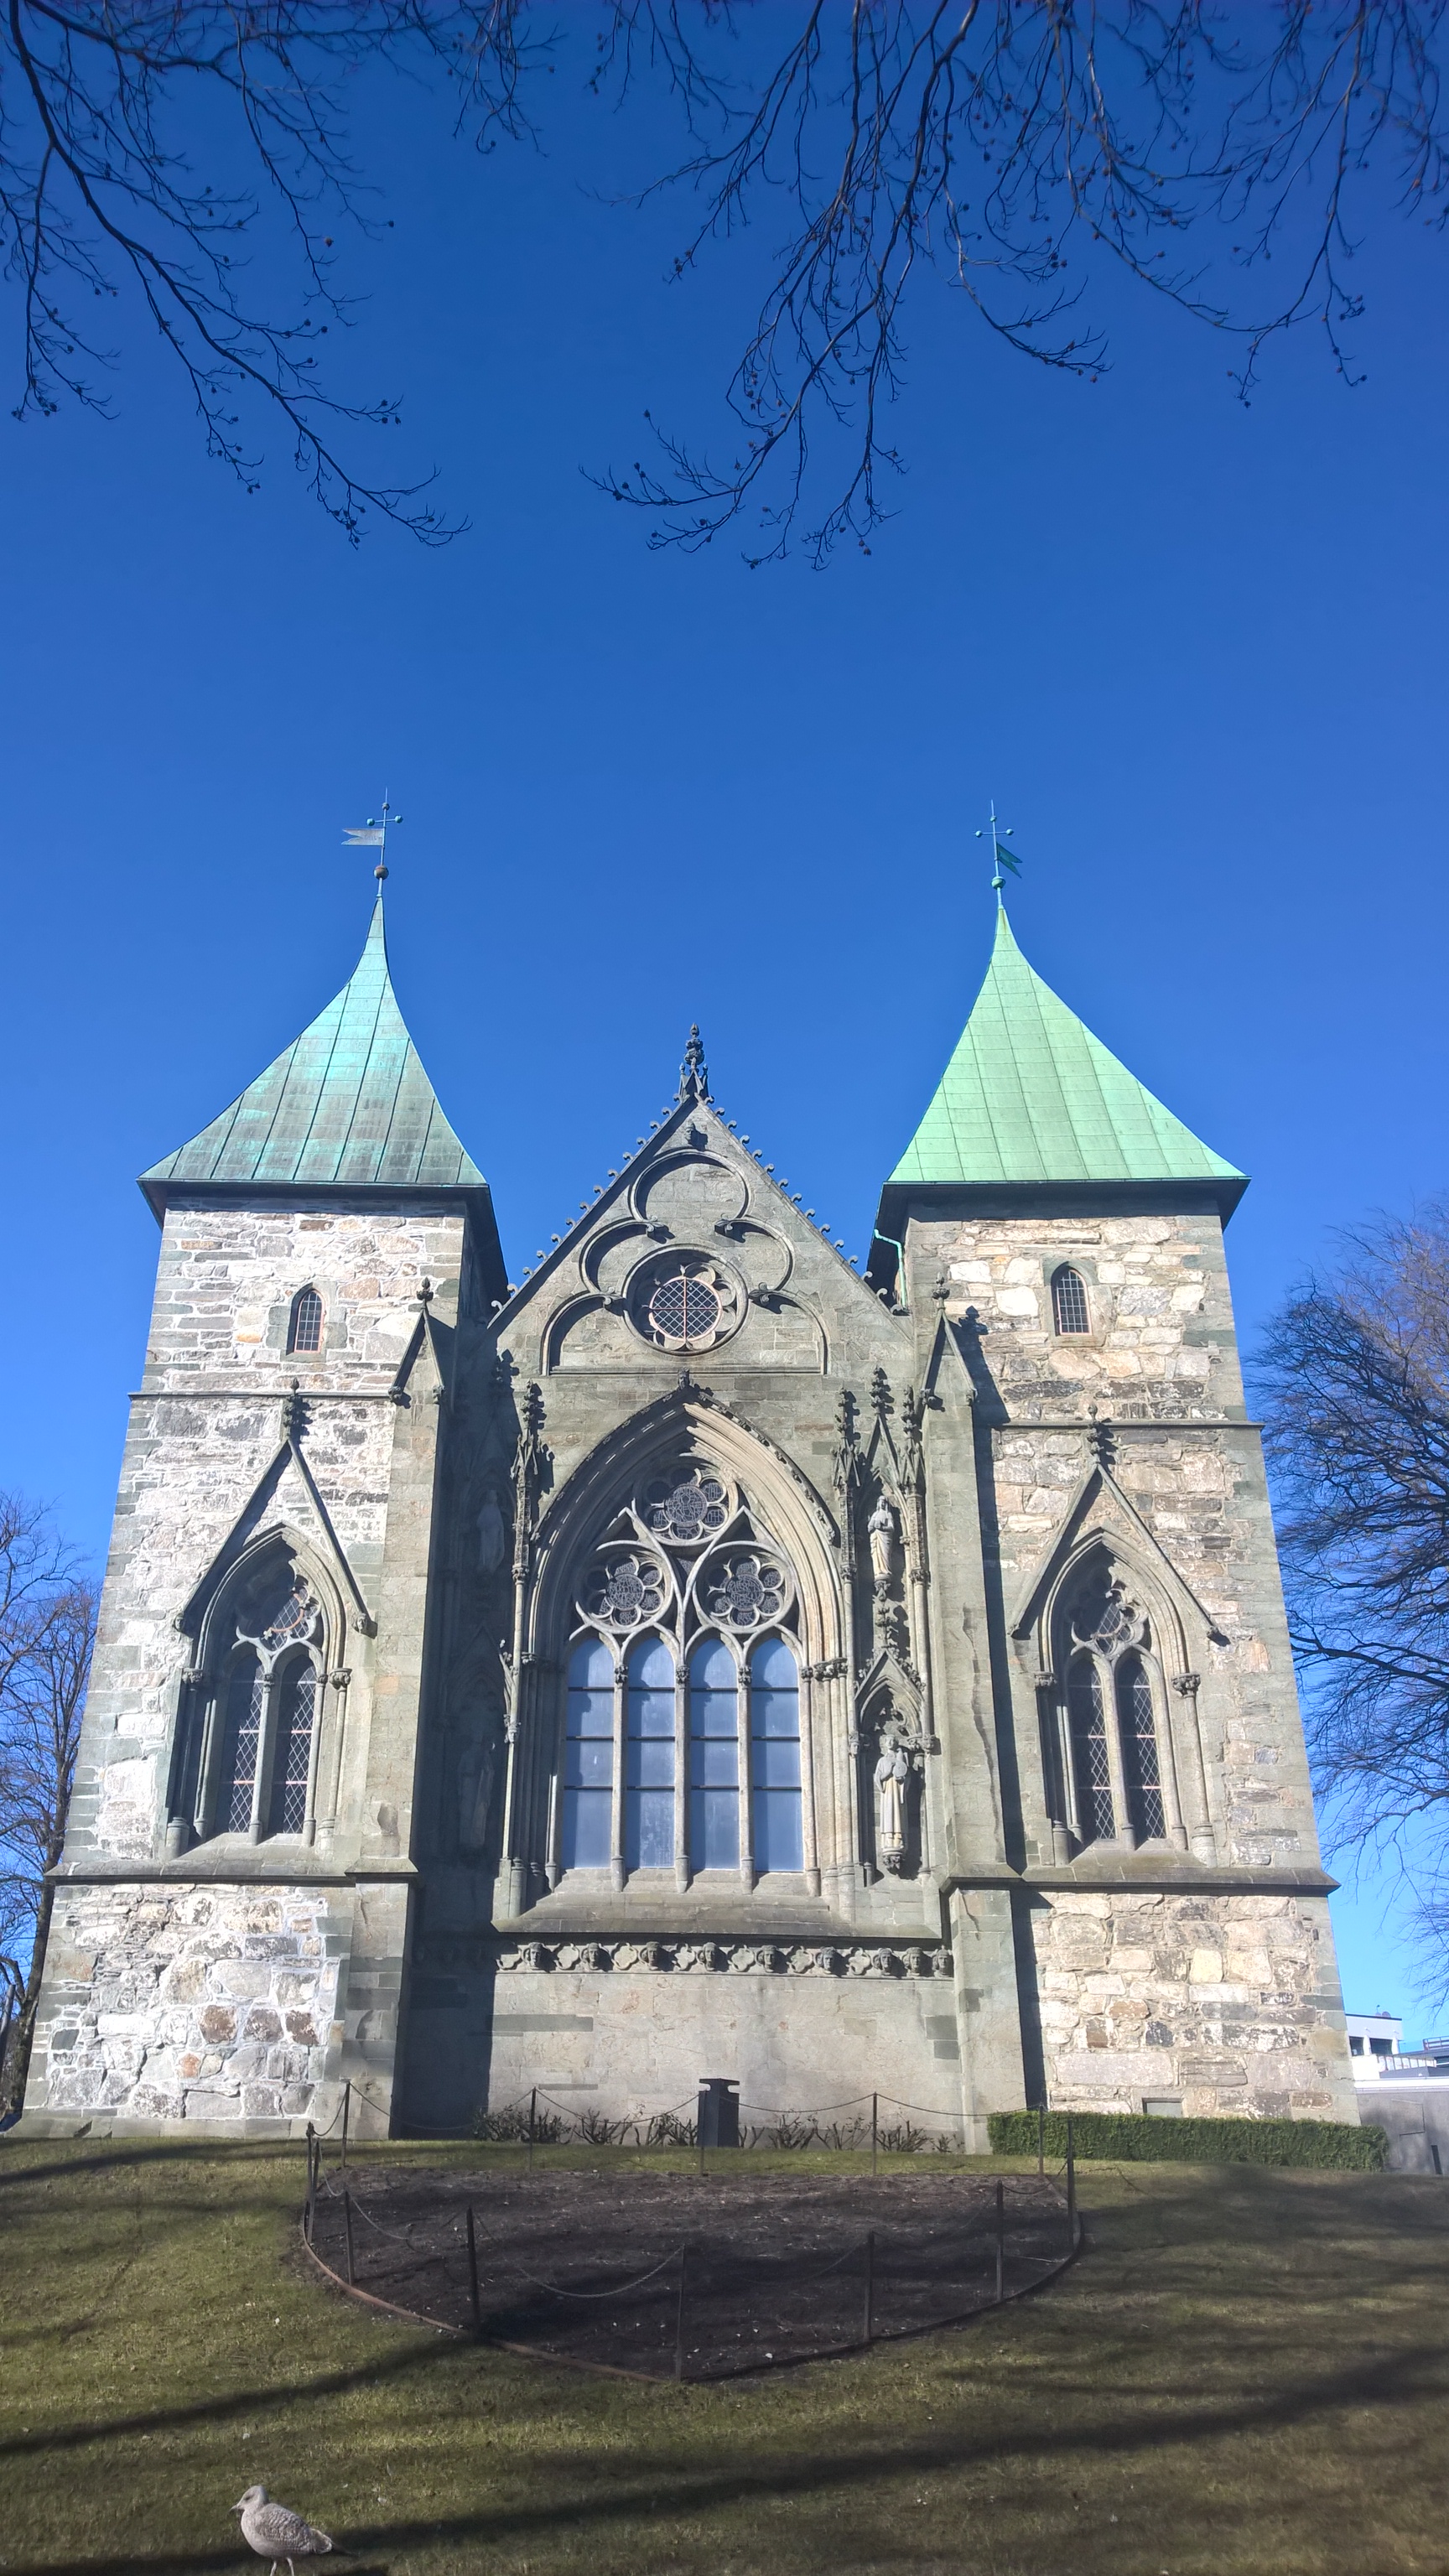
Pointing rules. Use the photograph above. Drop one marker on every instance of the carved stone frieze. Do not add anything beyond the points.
(728, 1958)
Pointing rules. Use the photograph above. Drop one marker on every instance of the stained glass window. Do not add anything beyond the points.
(1089, 1749)
(714, 1757)
(589, 1757)
(1139, 1749)
(775, 1756)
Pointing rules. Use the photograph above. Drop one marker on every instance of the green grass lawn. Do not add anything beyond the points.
(1247, 2370)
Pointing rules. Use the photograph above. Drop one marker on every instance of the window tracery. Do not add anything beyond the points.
(684, 1301)
(681, 1723)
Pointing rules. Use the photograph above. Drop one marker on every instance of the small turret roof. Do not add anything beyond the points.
(346, 1106)
(1031, 1096)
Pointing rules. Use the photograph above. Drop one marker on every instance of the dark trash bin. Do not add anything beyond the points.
(719, 2112)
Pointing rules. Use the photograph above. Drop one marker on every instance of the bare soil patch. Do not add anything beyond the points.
(586, 2267)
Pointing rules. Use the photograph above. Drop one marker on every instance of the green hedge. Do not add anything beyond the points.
(1125, 2138)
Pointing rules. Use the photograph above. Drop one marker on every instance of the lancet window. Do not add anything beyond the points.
(1070, 1312)
(304, 1326)
(247, 1738)
(1117, 1754)
(681, 1725)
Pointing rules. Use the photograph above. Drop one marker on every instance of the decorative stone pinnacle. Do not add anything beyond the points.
(693, 1075)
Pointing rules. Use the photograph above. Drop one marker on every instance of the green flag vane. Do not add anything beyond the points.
(1000, 858)
(372, 835)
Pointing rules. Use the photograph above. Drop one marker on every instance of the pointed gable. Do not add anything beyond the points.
(1031, 1097)
(346, 1105)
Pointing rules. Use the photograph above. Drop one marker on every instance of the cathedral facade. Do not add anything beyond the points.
(699, 1660)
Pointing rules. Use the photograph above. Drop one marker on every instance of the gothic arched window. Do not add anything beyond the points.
(246, 1745)
(1070, 1312)
(304, 1327)
(589, 1757)
(1116, 1751)
(681, 1722)
(714, 1757)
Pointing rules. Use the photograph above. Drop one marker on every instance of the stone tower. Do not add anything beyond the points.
(698, 1659)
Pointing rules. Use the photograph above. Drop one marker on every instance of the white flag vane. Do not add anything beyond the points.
(372, 835)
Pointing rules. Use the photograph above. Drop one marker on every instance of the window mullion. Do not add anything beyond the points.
(266, 1738)
(747, 1783)
(683, 1859)
(616, 1830)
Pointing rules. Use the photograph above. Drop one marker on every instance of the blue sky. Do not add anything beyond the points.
(1196, 653)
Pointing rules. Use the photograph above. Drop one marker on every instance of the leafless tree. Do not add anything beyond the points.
(1355, 1372)
(1015, 147)
(47, 1626)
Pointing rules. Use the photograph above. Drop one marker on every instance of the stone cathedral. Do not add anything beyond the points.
(700, 1659)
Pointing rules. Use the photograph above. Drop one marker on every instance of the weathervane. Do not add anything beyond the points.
(1000, 858)
(372, 835)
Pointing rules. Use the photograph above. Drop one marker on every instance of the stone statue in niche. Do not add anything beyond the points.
(891, 1774)
(492, 1534)
(882, 1528)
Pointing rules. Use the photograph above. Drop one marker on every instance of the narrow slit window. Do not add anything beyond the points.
(775, 1756)
(649, 1757)
(589, 1757)
(1089, 1751)
(1139, 1750)
(241, 1742)
(292, 1752)
(304, 1332)
(1069, 1301)
(714, 1757)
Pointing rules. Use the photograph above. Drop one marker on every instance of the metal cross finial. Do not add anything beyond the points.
(1000, 858)
(372, 835)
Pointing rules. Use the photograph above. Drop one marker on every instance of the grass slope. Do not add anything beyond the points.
(1247, 2372)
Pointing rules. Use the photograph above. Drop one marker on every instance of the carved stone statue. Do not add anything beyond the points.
(477, 1771)
(882, 1527)
(492, 1534)
(891, 1774)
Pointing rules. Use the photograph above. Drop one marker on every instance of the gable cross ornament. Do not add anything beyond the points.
(372, 835)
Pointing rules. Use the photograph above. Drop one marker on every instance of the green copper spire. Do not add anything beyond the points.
(1030, 1096)
(347, 1106)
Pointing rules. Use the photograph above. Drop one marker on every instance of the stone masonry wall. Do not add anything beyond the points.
(218, 2005)
(1224, 2003)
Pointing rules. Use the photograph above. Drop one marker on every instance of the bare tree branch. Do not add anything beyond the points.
(47, 1627)
(1355, 1376)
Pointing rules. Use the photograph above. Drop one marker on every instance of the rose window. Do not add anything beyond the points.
(684, 1301)
(624, 1592)
(745, 1592)
(685, 1510)
(684, 1309)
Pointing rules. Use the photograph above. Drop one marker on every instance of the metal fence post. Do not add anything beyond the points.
(347, 2225)
(1000, 2240)
(874, 2132)
(309, 2205)
(679, 2316)
(473, 2274)
(532, 2123)
(346, 2112)
(1041, 2142)
(869, 2336)
(1071, 2191)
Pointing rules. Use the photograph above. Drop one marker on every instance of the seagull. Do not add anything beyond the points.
(275, 2532)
